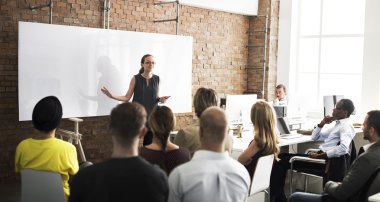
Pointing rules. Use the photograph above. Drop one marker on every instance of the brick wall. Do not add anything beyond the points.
(256, 50)
(220, 58)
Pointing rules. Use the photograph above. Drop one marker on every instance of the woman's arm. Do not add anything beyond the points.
(246, 156)
(125, 97)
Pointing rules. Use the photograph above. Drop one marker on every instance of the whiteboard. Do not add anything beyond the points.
(73, 63)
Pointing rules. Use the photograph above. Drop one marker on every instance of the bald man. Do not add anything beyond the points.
(211, 175)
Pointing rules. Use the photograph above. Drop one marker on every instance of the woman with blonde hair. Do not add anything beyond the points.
(265, 138)
(162, 151)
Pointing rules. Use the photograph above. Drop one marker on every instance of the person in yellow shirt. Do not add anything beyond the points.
(44, 152)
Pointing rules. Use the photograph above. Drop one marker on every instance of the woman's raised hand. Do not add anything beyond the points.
(106, 92)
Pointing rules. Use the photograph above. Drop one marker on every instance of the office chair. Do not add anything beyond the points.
(261, 177)
(371, 187)
(41, 186)
(334, 168)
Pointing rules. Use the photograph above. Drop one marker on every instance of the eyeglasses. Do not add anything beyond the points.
(148, 63)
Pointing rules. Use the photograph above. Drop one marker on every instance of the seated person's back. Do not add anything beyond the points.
(211, 175)
(125, 176)
(120, 179)
(45, 152)
(265, 138)
(162, 151)
(188, 137)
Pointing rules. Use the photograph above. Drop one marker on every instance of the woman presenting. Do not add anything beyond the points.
(144, 87)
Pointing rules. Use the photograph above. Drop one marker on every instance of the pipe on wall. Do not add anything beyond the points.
(50, 5)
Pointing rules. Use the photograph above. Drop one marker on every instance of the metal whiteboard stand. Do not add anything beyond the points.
(76, 137)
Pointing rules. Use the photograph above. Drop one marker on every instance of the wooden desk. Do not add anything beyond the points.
(374, 198)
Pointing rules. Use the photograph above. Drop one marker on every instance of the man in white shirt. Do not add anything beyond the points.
(360, 172)
(280, 96)
(211, 175)
(337, 140)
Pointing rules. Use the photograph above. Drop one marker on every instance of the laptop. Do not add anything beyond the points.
(283, 128)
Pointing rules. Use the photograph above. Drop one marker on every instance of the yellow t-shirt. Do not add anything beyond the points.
(50, 154)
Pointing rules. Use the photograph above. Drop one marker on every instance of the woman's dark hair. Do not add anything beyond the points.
(162, 122)
(142, 62)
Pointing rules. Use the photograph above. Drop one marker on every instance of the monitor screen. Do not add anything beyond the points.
(238, 108)
(283, 125)
(329, 102)
(280, 111)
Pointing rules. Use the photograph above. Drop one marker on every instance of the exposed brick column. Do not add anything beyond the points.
(256, 50)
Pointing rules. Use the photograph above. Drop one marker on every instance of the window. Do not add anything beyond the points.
(328, 58)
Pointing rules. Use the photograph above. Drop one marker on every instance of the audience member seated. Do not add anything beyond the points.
(189, 136)
(265, 139)
(211, 175)
(281, 99)
(45, 152)
(360, 171)
(364, 148)
(337, 140)
(125, 176)
(162, 151)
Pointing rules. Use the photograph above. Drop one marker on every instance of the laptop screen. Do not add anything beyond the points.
(283, 125)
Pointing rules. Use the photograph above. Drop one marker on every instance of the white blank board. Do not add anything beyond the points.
(73, 63)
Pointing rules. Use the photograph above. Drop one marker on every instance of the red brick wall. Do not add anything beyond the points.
(220, 58)
(256, 50)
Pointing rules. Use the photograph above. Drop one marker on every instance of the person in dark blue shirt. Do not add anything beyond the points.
(144, 87)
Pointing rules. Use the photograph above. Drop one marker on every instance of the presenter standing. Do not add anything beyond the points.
(144, 87)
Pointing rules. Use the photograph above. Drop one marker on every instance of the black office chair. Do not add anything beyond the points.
(334, 168)
(371, 187)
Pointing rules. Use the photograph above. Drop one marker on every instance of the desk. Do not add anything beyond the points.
(240, 144)
(374, 198)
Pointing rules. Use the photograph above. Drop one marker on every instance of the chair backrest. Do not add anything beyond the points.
(261, 177)
(339, 166)
(371, 187)
(41, 186)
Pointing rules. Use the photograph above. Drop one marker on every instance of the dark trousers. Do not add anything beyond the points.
(279, 171)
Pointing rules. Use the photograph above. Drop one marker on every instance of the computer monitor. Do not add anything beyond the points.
(238, 108)
(283, 125)
(281, 111)
(329, 102)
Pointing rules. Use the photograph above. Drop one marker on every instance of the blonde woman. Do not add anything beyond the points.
(265, 138)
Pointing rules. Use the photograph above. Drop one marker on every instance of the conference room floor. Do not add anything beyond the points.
(10, 191)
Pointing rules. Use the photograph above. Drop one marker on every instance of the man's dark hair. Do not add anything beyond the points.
(373, 120)
(348, 105)
(127, 119)
(203, 99)
(47, 114)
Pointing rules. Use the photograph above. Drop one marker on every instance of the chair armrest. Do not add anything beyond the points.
(307, 159)
(311, 150)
